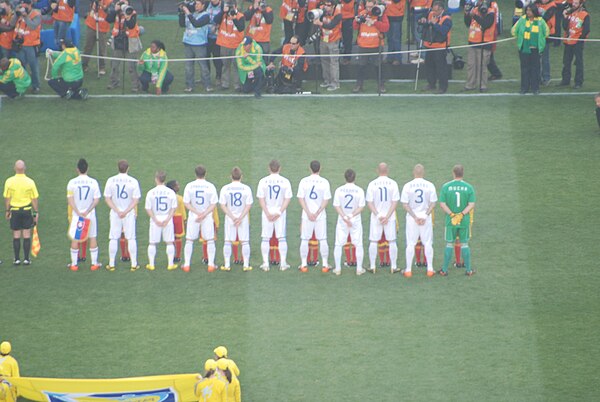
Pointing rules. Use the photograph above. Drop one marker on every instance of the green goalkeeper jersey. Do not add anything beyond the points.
(457, 194)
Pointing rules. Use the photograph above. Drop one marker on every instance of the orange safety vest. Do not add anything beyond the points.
(420, 3)
(312, 4)
(438, 45)
(542, 8)
(228, 35)
(475, 31)
(30, 38)
(395, 9)
(258, 29)
(290, 60)
(575, 29)
(347, 10)
(6, 38)
(119, 25)
(286, 11)
(90, 20)
(335, 34)
(65, 12)
(368, 36)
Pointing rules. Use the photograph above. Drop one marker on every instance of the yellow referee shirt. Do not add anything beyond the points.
(20, 189)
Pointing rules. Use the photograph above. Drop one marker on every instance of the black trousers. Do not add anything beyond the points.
(254, 84)
(598, 115)
(146, 79)
(61, 87)
(573, 51)
(530, 71)
(347, 35)
(436, 68)
(214, 50)
(493, 67)
(9, 89)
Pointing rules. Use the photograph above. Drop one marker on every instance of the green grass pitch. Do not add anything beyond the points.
(524, 328)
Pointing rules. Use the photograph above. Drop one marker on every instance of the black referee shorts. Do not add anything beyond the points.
(21, 219)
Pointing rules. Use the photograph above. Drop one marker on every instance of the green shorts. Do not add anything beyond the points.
(452, 232)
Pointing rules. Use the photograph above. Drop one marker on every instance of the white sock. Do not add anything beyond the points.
(170, 253)
(429, 256)
(227, 253)
(264, 250)
(360, 254)
(246, 253)
(94, 254)
(132, 248)
(303, 252)
(393, 254)
(324, 248)
(283, 249)
(410, 254)
(372, 254)
(74, 255)
(151, 253)
(211, 250)
(187, 252)
(113, 247)
(337, 257)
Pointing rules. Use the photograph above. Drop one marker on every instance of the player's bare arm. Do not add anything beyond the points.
(263, 206)
(71, 202)
(7, 207)
(133, 204)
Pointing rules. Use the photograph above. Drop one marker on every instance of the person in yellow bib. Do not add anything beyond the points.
(21, 202)
(67, 72)
(234, 391)
(8, 368)
(211, 388)
(221, 353)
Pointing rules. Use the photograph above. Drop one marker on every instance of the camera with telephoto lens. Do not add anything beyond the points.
(125, 8)
(3, 12)
(314, 37)
(469, 5)
(190, 5)
(484, 7)
(378, 10)
(232, 11)
(314, 14)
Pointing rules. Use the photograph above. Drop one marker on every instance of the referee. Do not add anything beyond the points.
(21, 202)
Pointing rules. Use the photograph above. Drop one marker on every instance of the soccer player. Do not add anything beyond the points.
(178, 219)
(236, 200)
(382, 198)
(349, 201)
(83, 194)
(274, 194)
(314, 194)
(418, 199)
(457, 199)
(161, 203)
(8, 368)
(122, 194)
(21, 204)
(200, 198)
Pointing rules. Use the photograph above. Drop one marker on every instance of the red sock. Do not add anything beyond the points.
(274, 255)
(204, 249)
(418, 249)
(178, 247)
(82, 250)
(382, 250)
(124, 247)
(235, 246)
(313, 250)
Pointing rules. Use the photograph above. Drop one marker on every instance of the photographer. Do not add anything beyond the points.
(214, 9)
(330, 25)
(67, 72)
(250, 66)
(125, 42)
(230, 35)
(531, 32)
(292, 65)
(349, 8)
(547, 9)
(576, 23)
(96, 32)
(418, 9)
(394, 9)
(27, 21)
(292, 13)
(14, 79)
(481, 21)
(152, 68)
(371, 24)
(62, 13)
(436, 37)
(260, 21)
(195, 42)
(7, 30)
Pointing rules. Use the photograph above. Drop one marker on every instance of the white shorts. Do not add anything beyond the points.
(319, 227)
(242, 232)
(125, 225)
(279, 226)
(414, 231)
(167, 233)
(92, 231)
(206, 227)
(342, 231)
(377, 229)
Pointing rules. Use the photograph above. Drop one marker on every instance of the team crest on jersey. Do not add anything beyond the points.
(159, 395)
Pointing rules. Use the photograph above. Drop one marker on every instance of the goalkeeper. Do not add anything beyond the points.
(67, 72)
(457, 199)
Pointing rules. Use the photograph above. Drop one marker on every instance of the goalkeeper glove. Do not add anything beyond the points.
(456, 219)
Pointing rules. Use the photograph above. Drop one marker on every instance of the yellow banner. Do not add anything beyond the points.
(163, 388)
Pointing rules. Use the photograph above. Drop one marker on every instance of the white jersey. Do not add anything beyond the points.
(274, 189)
(201, 194)
(382, 192)
(84, 190)
(349, 198)
(419, 194)
(122, 189)
(236, 196)
(314, 189)
(161, 200)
